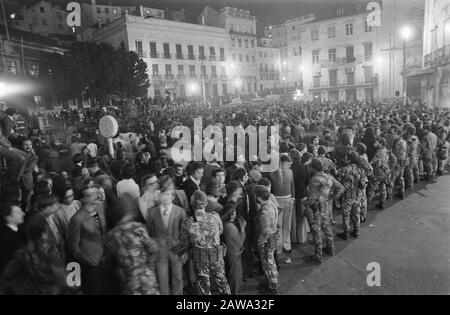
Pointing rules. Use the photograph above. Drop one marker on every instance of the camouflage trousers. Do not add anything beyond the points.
(382, 189)
(397, 177)
(267, 254)
(351, 212)
(363, 203)
(411, 173)
(217, 270)
(321, 221)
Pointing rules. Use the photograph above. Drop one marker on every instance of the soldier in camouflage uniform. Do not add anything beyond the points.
(202, 232)
(321, 191)
(267, 218)
(353, 179)
(399, 149)
(328, 165)
(367, 169)
(380, 165)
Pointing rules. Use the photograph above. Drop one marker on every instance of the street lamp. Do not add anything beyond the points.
(406, 34)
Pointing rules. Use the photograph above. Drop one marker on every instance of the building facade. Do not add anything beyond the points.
(343, 58)
(182, 58)
(269, 65)
(42, 18)
(436, 51)
(23, 58)
(240, 27)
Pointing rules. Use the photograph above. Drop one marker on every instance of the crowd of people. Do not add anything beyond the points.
(138, 222)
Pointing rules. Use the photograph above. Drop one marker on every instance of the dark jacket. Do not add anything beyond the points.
(10, 241)
(302, 175)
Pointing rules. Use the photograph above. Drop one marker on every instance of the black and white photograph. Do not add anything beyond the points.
(246, 150)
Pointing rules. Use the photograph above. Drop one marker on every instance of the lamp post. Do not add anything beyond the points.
(406, 34)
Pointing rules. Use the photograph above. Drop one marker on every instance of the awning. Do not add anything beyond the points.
(420, 72)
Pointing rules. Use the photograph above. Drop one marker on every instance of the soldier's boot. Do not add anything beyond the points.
(330, 250)
(355, 234)
(400, 195)
(363, 219)
(439, 173)
(380, 205)
(416, 180)
(343, 235)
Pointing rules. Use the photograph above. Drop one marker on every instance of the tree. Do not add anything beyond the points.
(97, 70)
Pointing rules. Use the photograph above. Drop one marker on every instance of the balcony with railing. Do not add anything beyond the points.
(212, 58)
(179, 56)
(345, 84)
(181, 77)
(241, 33)
(222, 58)
(437, 58)
(169, 76)
(201, 57)
(190, 57)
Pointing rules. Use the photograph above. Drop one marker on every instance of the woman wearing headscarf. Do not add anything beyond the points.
(129, 253)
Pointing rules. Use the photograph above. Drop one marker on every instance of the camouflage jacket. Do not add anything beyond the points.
(365, 166)
(322, 188)
(267, 221)
(328, 165)
(413, 148)
(380, 164)
(352, 178)
(203, 231)
(399, 149)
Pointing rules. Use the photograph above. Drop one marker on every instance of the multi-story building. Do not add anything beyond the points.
(42, 18)
(269, 65)
(93, 13)
(240, 27)
(181, 57)
(436, 50)
(23, 57)
(343, 58)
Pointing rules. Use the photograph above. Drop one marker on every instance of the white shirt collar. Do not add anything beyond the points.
(196, 182)
(168, 209)
(13, 227)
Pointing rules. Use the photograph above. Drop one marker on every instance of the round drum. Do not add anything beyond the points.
(108, 126)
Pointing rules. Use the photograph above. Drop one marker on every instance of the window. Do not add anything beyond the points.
(106, 10)
(168, 70)
(300, 51)
(315, 57)
(222, 71)
(33, 69)
(42, 9)
(201, 52)
(368, 74)
(179, 51)
(192, 70)
(333, 77)
(331, 32)
(233, 42)
(246, 43)
(155, 70)
(234, 57)
(153, 51)
(240, 57)
(367, 27)
(252, 43)
(222, 54)
(349, 28)
(180, 69)
(99, 10)
(368, 51)
(350, 78)
(350, 54)
(191, 52)
(315, 35)
(332, 55)
(213, 71)
(44, 22)
(253, 59)
(139, 50)
(166, 51)
(203, 70)
(239, 43)
(212, 53)
(247, 59)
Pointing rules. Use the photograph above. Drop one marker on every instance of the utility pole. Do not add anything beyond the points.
(4, 18)
(203, 84)
(405, 87)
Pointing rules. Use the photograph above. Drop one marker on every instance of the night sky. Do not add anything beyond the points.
(267, 12)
